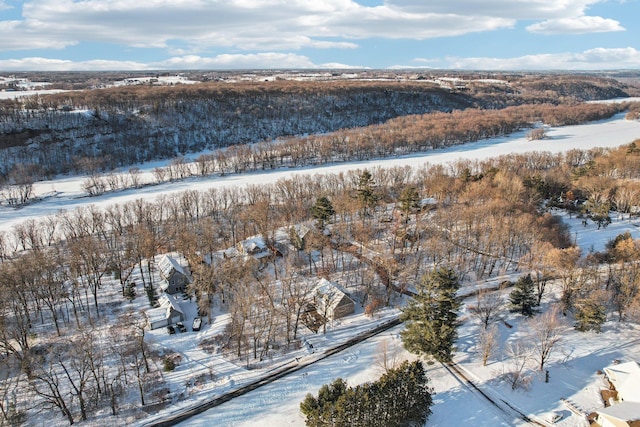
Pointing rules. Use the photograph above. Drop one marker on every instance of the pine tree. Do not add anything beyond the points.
(323, 408)
(409, 199)
(366, 192)
(523, 297)
(400, 397)
(431, 316)
(590, 315)
(322, 211)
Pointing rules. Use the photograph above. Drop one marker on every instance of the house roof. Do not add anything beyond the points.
(168, 263)
(330, 293)
(167, 303)
(157, 315)
(253, 243)
(625, 411)
(625, 377)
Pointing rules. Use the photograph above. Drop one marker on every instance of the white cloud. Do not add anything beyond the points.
(593, 59)
(579, 25)
(16, 35)
(46, 64)
(237, 61)
(509, 9)
(266, 25)
(340, 66)
(265, 60)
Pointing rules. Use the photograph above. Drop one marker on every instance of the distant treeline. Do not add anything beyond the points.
(128, 125)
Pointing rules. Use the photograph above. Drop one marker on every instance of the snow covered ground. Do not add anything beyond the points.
(572, 369)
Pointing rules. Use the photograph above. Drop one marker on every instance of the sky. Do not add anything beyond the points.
(106, 35)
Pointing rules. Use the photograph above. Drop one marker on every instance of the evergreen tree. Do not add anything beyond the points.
(523, 297)
(366, 192)
(431, 316)
(400, 397)
(590, 315)
(409, 201)
(321, 411)
(322, 211)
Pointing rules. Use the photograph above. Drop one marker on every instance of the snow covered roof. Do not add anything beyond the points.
(168, 301)
(168, 263)
(626, 411)
(156, 315)
(331, 295)
(625, 377)
(164, 311)
(255, 246)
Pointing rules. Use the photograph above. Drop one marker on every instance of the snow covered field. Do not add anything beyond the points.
(572, 369)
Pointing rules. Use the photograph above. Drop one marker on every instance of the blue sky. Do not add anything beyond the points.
(284, 34)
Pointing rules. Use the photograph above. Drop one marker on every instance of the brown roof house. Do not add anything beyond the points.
(331, 302)
(174, 274)
(625, 412)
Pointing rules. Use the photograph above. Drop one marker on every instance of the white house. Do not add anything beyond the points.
(168, 313)
(625, 378)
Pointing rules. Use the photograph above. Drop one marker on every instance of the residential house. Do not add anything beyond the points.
(174, 274)
(255, 247)
(624, 411)
(168, 313)
(331, 302)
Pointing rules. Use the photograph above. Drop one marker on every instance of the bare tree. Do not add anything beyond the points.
(519, 355)
(546, 333)
(388, 354)
(488, 306)
(565, 263)
(134, 177)
(11, 411)
(488, 343)
(296, 295)
(48, 382)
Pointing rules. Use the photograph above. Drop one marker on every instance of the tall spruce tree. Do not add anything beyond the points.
(366, 193)
(431, 316)
(409, 201)
(322, 211)
(523, 296)
(590, 315)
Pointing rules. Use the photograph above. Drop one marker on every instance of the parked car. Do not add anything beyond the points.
(181, 327)
(171, 330)
(197, 323)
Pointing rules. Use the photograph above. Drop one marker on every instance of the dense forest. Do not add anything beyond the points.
(128, 125)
